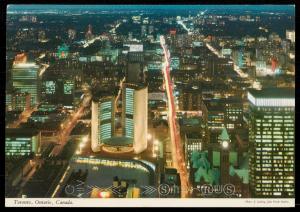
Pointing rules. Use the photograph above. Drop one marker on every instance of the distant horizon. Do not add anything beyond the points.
(287, 8)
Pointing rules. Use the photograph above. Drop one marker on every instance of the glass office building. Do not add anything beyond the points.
(271, 142)
(25, 79)
(20, 142)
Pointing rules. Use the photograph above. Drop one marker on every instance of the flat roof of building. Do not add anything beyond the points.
(136, 85)
(194, 135)
(212, 105)
(273, 93)
(20, 132)
(100, 94)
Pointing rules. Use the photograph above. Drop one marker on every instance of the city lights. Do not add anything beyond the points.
(159, 102)
(85, 139)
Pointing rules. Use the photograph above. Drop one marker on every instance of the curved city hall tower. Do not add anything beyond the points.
(103, 121)
(134, 114)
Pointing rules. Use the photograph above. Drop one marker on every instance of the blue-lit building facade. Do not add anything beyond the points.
(135, 114)
(103, 121)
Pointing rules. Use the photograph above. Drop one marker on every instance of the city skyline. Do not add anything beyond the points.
(150, 101)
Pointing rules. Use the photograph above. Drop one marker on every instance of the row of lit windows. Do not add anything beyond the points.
(17, 139)
(270, 131)
(129, 128)
(19, 153)
(105, 131)
(275, 145)
(105, 116)
(276, 109)
(129, 101)
(17, 145)
(274, 141)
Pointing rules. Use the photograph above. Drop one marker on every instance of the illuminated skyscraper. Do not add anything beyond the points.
(151, 29)
(21, 101)
(25, 79)
(143, 30)
(71, 34)
(89, 34)
(290, 35)
(271, 142)
(134, 72)
(21, 142)
(134, 115)
(103, 121)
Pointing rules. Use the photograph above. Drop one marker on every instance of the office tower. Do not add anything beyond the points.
(89, 34)
(68, 96)
(233, 112)
(42, 36)
(150, 29)
(143, 30)
(189, 99)
(103, 120)
(274, 37)
(285, 44)
(192, 142)
(49, 91)
(239, 58)
(290, 35)
(213, 114)
(134, 115)
(8, 102)
(134, 73)
(20, 101)
(25, 78)
(20, 142)
(271, 142)
(175, 63)
(71, 34)
(130, 37)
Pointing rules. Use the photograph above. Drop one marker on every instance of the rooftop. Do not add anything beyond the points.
(20, 131)
(135, 86)
(273, 93)
(224, 135)
(194, 135)
(213, 105)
